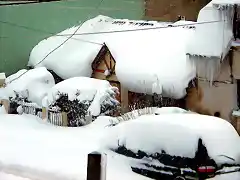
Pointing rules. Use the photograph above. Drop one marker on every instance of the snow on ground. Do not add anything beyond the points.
(6, 176)
(32, 84)
(31, 148)
(149, 51)
(82, 89)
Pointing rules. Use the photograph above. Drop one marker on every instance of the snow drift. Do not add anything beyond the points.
(161, 68)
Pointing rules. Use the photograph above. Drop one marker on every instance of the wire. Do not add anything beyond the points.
(45, 32)
(144, 29)
(53, 49)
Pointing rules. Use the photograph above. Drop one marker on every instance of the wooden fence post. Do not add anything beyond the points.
(96, 167)
(64, 119)
(44, 113)
(5, 103)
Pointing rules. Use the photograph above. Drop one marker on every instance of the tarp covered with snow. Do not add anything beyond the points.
(213, 33)
(30, 84)
(158, 55)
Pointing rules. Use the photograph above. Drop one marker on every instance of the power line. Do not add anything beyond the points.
(144, 29)
(53, 49)
(45, 32)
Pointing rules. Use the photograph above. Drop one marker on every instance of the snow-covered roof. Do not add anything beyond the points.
(213, 33)
(161, 66)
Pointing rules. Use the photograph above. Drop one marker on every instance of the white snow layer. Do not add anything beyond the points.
(177, 134)
(161, 67)
(31, 84)
(31, 148)
(213, 37)
(226, 2)
(84, 89)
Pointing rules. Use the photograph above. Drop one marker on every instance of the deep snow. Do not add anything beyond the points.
(151, 52)
(33, 149)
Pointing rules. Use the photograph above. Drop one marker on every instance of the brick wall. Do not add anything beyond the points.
(168, 10)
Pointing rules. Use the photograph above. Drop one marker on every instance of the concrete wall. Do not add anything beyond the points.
(221, 96)
(168, 10)
(23, 26)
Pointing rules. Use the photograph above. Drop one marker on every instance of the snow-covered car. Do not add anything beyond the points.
(177, 146)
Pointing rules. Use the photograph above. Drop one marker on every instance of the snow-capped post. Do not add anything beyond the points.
(5, 103)
(64, 119)
(44, 113)
(96, 167)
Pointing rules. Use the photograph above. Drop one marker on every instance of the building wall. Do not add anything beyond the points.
(222, 96)
(168, 10)
(23, 26)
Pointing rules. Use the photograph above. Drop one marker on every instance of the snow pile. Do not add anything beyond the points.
(32, 84)
(149, 51)
(97, 91)
(33, 149)
(151, 134)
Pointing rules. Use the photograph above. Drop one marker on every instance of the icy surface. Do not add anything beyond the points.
(33, 84)
(151, 134)
(149, 51)
(84, 89)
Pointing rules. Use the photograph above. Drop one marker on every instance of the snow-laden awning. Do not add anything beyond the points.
(147, 61)
(213, 33)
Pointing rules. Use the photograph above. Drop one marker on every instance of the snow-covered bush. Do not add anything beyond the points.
(80, 97)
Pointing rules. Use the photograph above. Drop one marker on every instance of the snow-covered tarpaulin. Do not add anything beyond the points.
(213, 33)
(147, 61)
(30, 84)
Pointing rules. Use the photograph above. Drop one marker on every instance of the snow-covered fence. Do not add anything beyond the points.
(56, 117)
(30, 108)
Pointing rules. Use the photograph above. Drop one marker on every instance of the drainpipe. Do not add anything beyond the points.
(230, 55)
(235, 22)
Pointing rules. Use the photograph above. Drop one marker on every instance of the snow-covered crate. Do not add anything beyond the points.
(2, 79)
(57, 118)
